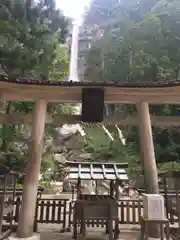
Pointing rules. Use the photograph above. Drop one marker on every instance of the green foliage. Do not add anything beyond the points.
(30, 34)
(140, 41)
(32, 40)
(102, 149)
(140, 48)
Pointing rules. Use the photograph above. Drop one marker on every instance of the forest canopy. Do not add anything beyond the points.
(136, 41)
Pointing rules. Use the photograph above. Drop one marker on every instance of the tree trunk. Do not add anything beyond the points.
(27, 211)
(148, 157)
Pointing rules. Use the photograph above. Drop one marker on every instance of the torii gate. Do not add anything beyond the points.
(42, 92)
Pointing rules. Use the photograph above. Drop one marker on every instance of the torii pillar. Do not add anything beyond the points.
(27, 211)
(148, 156)
(147, 149)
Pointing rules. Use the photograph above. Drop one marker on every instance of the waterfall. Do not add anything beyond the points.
(73, 70)
(73, 74)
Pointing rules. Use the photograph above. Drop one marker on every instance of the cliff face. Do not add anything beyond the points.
(68, 144)
(96, 20)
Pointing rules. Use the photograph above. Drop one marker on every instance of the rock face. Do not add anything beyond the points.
(67, 140)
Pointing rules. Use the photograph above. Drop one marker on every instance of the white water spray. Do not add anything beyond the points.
(73, 74)
(73, 70)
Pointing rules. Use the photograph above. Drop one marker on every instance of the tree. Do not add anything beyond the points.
(33, 41)
(31, 44)
(101, 12)
(141, 43)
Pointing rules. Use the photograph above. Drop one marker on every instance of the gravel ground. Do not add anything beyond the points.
(52, 231)
(95, 234)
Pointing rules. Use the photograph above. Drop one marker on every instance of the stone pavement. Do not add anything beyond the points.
(94, 234)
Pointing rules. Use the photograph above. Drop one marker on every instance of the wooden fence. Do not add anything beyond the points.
(19, 191)
(52, 211)
(60, 211)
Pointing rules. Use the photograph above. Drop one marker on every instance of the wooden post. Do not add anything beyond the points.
(111, 189)
(166, 196)
(148, 158)
(147, 149)
(27, 211)
(177, 201)
(117, 190)
(2, 200)
(79, 192)
(96, 187)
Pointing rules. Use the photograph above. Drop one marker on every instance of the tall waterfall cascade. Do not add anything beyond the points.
(68, 130)
(73, 76)
(73, 70)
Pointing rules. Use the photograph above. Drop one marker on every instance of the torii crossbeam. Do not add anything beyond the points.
(43, 92)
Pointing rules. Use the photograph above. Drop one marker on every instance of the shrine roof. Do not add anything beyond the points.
(97, 171)
(125, 92)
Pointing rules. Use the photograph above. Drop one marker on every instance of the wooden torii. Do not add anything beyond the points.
(43, 92)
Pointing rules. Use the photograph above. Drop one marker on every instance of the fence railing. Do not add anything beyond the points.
(52, 211)
(60, 211)
(130, 211)
(19, 191)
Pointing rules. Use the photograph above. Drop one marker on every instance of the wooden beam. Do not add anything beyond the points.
(110, 98)
(20, 118)
(159, 121)
(73, 93)
(148, 158)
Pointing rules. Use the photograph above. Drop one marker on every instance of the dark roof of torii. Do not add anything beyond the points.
(121, 84)
(97, 171)
(23, 89)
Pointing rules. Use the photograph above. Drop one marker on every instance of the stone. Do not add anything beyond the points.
(149, 238)
(158, 238)
(153, 206)
(35, 236)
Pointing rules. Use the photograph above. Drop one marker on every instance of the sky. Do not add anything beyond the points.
(72, 8)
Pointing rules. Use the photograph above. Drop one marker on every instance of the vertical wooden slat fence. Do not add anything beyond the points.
(52, 211)
(129, 212)
(15, 213)
(60, 211)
